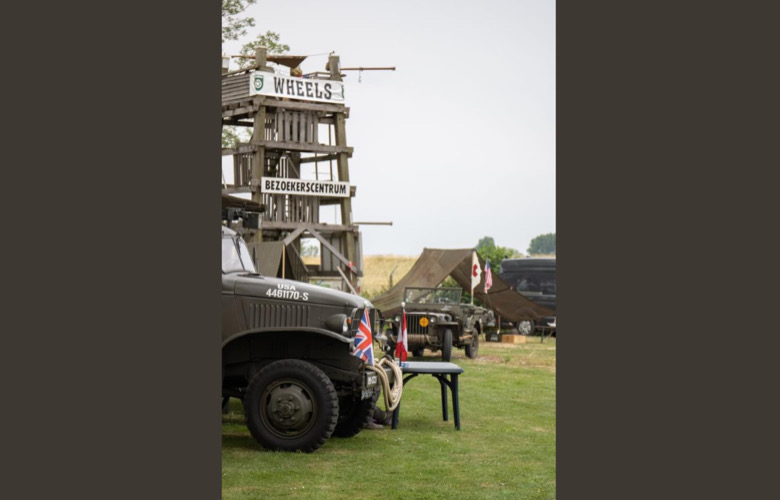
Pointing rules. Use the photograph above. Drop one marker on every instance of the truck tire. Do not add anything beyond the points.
(355, 414)
(446, 345)
(291, 405)
(526, 327)
(472, 348)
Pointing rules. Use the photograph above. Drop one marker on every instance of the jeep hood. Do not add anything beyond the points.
(294, 291)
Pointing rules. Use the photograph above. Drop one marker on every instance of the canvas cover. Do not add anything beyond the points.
(269, 257)
(434, 265)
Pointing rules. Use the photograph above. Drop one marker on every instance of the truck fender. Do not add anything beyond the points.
(320, 331)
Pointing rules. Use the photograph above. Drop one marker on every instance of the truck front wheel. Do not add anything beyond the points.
(446, 345)
(355, 414)
(291, 405)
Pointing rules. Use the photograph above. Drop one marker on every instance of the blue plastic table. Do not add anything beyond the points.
(440, 371)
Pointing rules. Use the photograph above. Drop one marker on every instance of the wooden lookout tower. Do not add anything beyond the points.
(294, 166)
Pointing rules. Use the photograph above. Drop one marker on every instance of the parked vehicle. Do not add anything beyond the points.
(287, 353)
(436, 320)
(535, 279)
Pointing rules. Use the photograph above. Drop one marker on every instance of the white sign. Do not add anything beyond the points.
(306, 89)
(278, 185)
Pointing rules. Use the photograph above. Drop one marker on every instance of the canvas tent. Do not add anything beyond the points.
(434, 265)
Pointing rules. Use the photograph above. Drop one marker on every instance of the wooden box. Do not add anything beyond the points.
(513, 339)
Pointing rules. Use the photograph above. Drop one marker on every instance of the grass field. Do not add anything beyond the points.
(505, 448)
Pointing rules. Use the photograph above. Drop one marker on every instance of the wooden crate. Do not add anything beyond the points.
(513, 339)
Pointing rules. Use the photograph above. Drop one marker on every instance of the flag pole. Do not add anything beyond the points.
(472, 280)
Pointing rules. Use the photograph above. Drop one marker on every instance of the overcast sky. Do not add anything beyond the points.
(459, 142)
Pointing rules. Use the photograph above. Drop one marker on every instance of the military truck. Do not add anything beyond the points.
(287, 353)
(534, 279)
(437, 320)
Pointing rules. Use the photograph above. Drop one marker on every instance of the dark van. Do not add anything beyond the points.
(534, 278)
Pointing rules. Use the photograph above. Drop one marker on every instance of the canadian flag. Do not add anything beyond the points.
(402, 347)
(476, 272)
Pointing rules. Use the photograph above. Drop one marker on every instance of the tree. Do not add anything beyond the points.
(310, 248)
(486, 241)
(543, 244)
(234, 26)
(270, 41)
(487, 249)
(229, 136)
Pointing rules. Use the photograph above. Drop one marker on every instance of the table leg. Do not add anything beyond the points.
(397, 410)
(444, 404)
(455, 402)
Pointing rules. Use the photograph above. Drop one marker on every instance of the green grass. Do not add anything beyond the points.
(505, 448)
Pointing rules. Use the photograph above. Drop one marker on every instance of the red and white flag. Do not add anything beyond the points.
(488, 276)
(402, 347)
(476, 272)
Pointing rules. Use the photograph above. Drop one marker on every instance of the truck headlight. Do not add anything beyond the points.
(337, 323)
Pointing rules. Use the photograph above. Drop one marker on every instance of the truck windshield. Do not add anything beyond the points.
(236, 256)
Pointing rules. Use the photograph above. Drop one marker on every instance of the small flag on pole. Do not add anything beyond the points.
(476, 272)
(488, 276)
(402, 347)
(364, 341)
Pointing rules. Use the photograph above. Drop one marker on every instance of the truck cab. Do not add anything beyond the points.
(288, 353)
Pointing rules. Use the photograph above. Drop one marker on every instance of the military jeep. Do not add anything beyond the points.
(287, 354)
(436, 320)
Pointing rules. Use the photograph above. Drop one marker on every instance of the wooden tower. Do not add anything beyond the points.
(298, 137)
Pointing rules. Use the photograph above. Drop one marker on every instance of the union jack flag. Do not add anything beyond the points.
(364, 341)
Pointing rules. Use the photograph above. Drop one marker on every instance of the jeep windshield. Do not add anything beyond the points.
(236, 256)
(432, 295)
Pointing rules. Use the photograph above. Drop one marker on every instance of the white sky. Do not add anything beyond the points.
(459, 142)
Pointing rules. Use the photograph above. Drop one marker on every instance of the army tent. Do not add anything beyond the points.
(434, 265)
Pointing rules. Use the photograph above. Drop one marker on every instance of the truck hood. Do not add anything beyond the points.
(293, 291)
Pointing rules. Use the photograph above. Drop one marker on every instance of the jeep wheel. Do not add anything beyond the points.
(355, 414)
(446, 345)
(291, 405)
(526, 327)
(473, 347)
